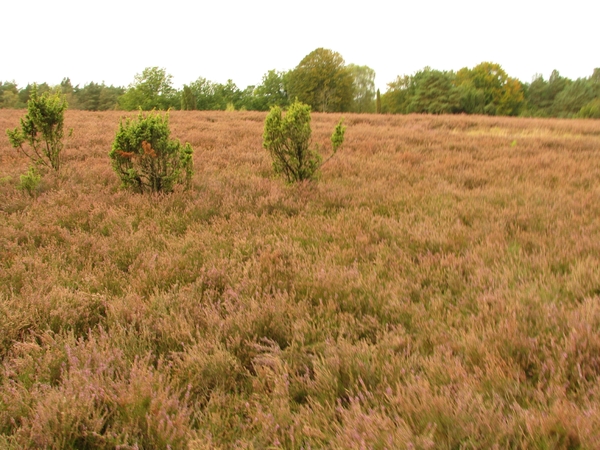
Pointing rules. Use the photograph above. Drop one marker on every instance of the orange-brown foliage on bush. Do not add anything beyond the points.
(438, 288)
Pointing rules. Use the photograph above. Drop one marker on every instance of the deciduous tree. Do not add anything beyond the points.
(363, 88)
(396, 99)
(501, 94)
(152, 89)
(322, 81)
(9, 95)
(229, 94)
(188, 99)
(271, 92)
(205, 92)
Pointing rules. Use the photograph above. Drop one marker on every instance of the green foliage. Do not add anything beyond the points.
(427, 91)
(152, 89)
(41, 129)
(337, 138)
(271, 92)
(590, 110)
(209, 96)
(485, 89)
(188, 99)
(540, 96)
(322, 81)
(247, 101)
(562, 97)
(326, 84)
(397, 98)
(434, 92)
(472, 100)
(90, 97)
(363, 88)
(97, 97)
(229, 94)
(502, 95)
(512, 99)
(9, 95)
(572, 98)
(25, 93)
(146, 159)
(205, 93)
(288, 140)
(30, 181)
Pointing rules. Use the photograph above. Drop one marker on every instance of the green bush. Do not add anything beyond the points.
(42, 129)
(30, 181)
(288, 139)
(146, 159)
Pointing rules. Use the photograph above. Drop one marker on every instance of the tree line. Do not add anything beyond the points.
(326, 83)
(487, 89)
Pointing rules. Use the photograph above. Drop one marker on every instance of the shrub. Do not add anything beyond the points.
(287, 139)
(146, 159)
(42, 129)
(30, 181)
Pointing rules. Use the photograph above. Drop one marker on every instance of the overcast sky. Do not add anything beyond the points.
(112, 40)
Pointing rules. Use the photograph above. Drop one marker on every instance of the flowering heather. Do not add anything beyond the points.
(439, 287)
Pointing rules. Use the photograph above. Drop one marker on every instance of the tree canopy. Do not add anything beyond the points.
(434, 92)
(322, 81)
(272, 91)
(327, 84)
(499, 93)
(484, 89)
(363, 86)
(152, 89)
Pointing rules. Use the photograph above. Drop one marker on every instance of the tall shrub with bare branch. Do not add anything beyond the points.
(146, 159)
(288, 140)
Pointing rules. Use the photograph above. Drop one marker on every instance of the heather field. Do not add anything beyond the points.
(438, 288)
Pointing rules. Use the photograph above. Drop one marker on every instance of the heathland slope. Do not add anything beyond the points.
(439, 287)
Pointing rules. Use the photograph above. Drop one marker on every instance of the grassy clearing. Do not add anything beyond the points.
(438, 288)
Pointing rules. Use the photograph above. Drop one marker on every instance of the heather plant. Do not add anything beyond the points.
(146, 159)
(41, 129)
(288, 141)
(439, 289)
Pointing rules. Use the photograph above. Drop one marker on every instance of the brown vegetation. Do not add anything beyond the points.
(438, 288)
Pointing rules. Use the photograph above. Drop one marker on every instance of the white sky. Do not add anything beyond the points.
(111, 41)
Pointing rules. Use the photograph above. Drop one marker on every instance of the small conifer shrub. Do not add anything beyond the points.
(41, 129)
(146, 159)
(288, 141)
